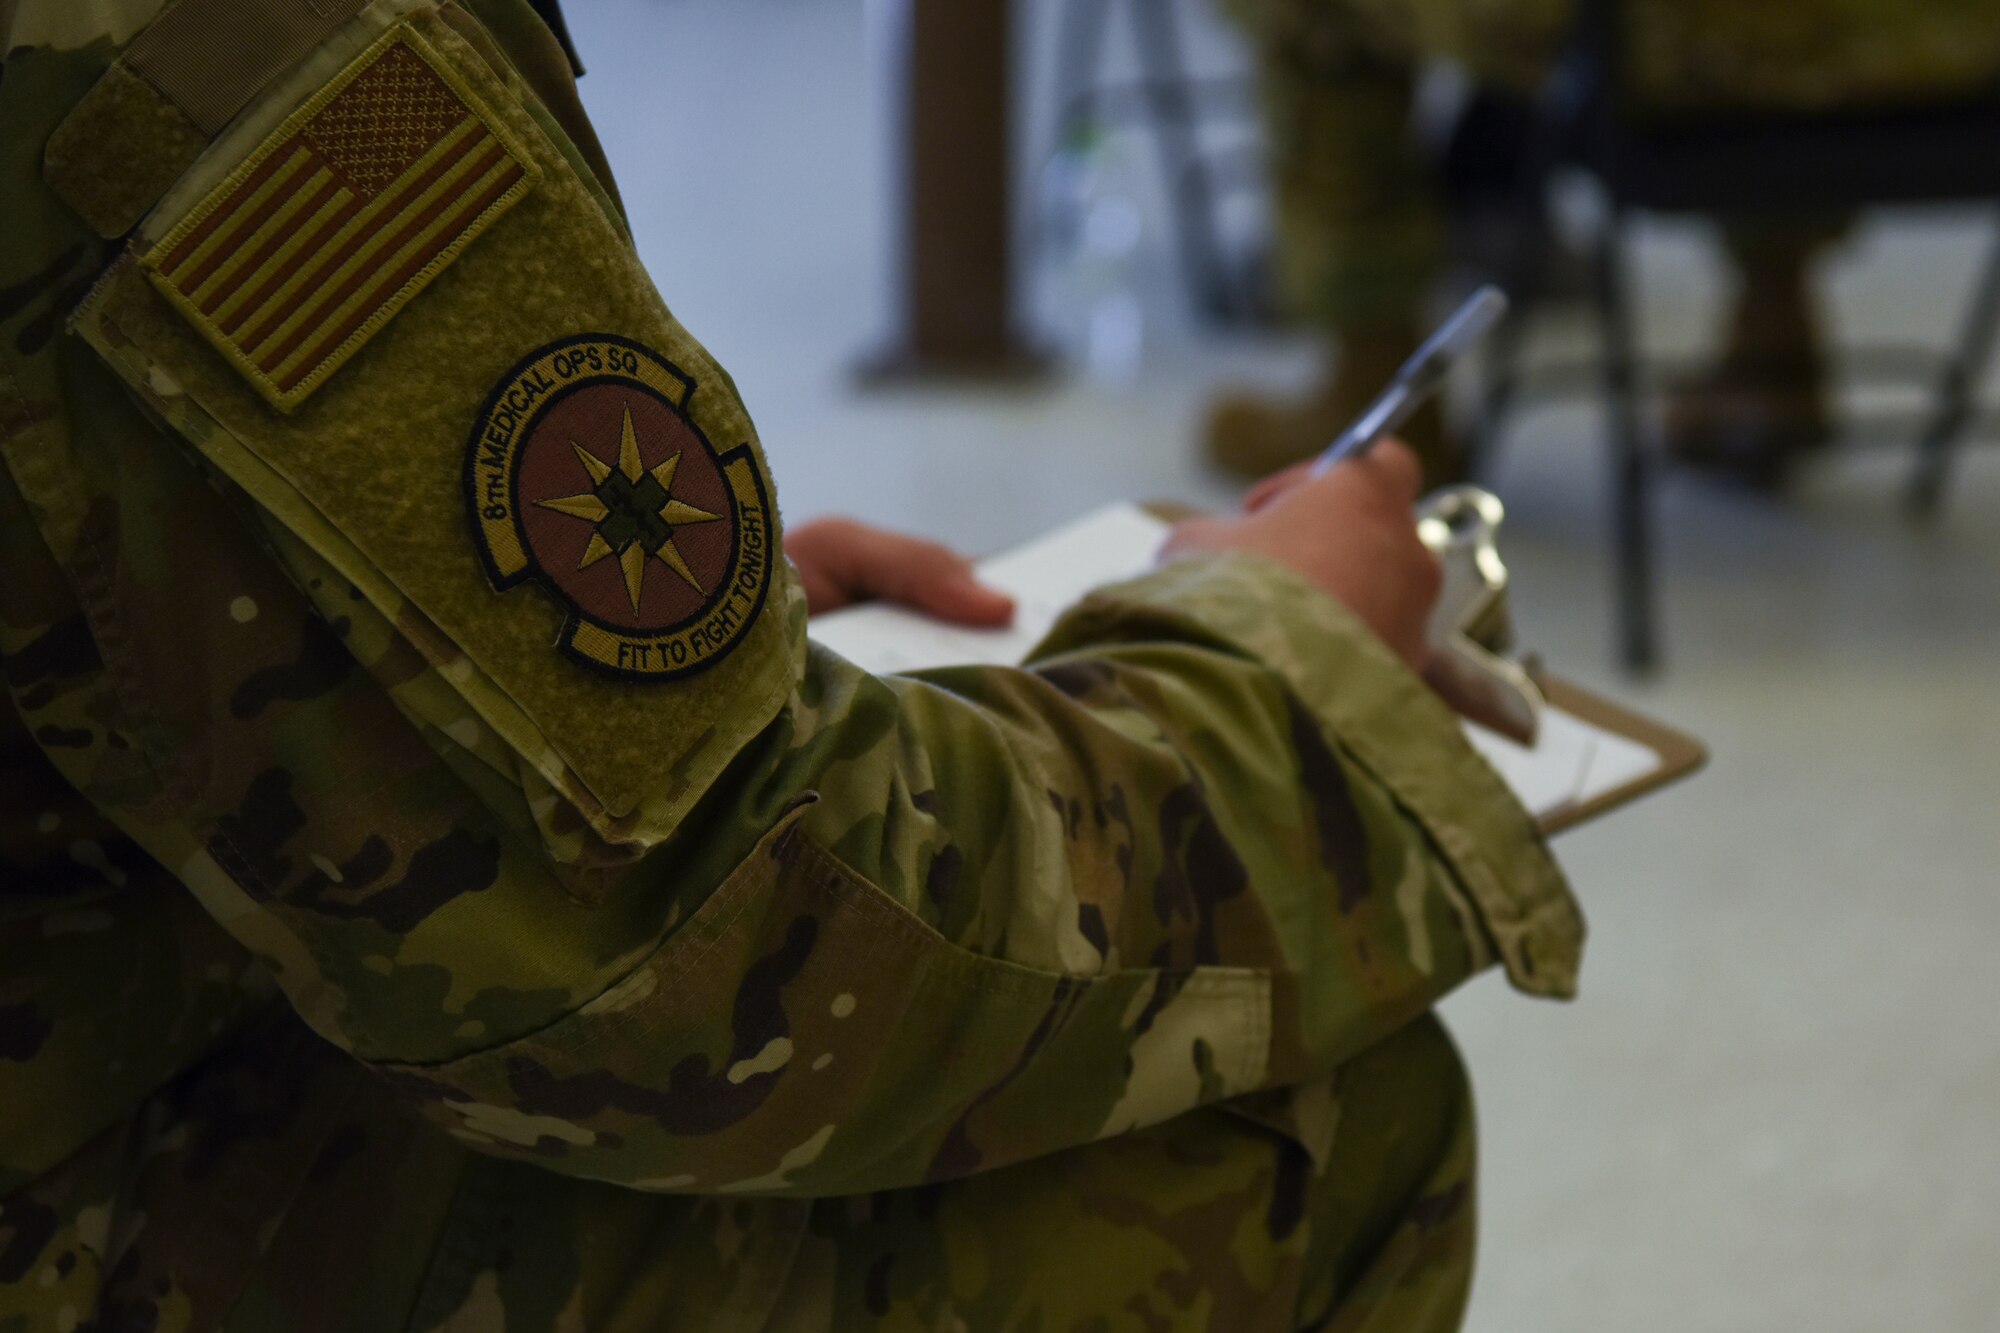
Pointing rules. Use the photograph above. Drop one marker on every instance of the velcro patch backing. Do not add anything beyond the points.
(345, 213)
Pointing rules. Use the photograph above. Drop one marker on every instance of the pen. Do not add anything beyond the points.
(1421, 376)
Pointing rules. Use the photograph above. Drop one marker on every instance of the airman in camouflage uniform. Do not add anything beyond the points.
(1360, 220)
(373, 956)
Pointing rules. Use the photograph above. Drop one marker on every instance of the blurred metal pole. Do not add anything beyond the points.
(952, 115)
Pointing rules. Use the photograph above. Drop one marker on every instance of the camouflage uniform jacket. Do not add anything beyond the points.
(618, 876)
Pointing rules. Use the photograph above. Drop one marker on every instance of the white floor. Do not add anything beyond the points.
(1775, 1105)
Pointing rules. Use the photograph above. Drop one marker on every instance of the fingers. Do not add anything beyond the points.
(1204, 532)
(1388, 474)
(822, 593)
(1394, 467)
(848, 562)
(1275, 485)
(821, 552)
(1388, 478)
(958, 597)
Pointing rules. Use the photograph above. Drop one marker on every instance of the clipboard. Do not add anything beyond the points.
(1594, 756)
(1680, 754)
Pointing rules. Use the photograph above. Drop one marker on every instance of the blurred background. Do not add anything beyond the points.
(1773, 1106)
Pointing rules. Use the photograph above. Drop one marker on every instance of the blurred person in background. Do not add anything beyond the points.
(1361, 222)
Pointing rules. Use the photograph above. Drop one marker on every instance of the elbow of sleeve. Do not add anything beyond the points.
(705, 1064)
(804, 1034)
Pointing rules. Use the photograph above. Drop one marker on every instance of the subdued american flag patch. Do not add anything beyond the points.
(357, 201)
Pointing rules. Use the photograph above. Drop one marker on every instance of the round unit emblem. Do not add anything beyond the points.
(587, 473)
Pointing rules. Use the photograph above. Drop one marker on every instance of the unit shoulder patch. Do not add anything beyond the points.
(586, 472)
(348, 210)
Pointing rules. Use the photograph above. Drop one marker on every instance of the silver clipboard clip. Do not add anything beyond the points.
(1470, 630)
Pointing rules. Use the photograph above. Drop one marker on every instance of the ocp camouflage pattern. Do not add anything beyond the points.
(338, 991)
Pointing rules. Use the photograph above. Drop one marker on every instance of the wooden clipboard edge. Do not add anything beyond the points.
(1681, 755)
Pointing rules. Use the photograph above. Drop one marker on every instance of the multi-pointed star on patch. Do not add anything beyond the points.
(634, 511)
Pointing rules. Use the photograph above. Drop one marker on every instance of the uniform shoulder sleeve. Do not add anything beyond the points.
(389, 306)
